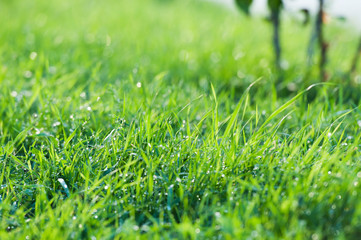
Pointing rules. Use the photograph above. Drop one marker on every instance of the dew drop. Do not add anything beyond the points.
(33, 55)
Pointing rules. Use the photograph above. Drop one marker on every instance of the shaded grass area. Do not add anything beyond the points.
(162, 119)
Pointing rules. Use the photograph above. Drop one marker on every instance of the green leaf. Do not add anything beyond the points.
(244, 5)
(67, 141)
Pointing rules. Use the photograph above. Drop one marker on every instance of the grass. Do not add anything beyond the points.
(163, 119)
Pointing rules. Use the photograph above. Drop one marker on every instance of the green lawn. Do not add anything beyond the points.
(150, 119)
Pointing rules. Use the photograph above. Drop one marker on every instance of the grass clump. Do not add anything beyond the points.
(162, 119)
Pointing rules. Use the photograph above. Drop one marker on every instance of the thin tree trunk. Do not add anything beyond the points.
(356, 59)
(275, 17)
(311, 46)
(321, 42)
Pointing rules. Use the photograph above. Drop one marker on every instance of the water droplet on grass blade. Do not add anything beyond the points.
(56, 124)
(28, 74)
(13, 93)
(65, 187)
(135, 228)
(33, 55)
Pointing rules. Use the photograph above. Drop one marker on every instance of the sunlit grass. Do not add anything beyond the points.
(162, 119)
